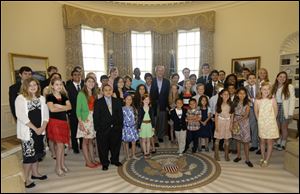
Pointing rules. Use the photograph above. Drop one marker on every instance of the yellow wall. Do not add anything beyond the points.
(244, 30)
(34, 28)
(254, 29)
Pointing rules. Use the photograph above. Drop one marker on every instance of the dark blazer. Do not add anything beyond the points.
(141, 114)
(13, 93)
(179, 124)
(72, 92)
(44, 84)
(202, 80)
(209, 89)
(160, 99)
(103, 120)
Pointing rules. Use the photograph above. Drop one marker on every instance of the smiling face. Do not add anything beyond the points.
(57, 85)
(107, 91)
(32, 88)
(90, 83)
(281, 78)
(225, 96)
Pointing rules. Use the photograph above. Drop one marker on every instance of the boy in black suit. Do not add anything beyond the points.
(73, 86)
(25, 73)
(108, 123)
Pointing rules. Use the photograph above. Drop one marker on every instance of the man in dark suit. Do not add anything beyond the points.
(108, 123)
(25, 73)
(210, 88)
(205, 78)
(73, 86)
(245, 73)
(50, 71)
(159, 99)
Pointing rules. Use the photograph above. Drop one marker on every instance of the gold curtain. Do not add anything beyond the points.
(117, 35)
(73, 49)
(120, 43)
(162, 44)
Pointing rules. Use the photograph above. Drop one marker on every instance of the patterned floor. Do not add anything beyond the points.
(235, 177)
(168, 171)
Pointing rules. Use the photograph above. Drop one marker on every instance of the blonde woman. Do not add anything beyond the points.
(32, 118)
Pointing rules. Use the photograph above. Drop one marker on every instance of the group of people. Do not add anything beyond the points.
(213, 108)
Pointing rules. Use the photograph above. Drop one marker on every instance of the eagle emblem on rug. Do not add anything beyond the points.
(172, 167)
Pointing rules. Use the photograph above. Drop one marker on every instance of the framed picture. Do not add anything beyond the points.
(38, 64)
(237, 65)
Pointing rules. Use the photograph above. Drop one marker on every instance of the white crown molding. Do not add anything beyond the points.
(152, 9)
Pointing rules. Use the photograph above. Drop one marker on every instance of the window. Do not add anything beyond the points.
(93, 51)
(141, 52)
(188, 51)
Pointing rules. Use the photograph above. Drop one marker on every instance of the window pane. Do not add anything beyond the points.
(141, 51)
(188, 51)
(93, 51)
(181, 39)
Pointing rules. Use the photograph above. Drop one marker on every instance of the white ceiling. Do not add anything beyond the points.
(152, 8)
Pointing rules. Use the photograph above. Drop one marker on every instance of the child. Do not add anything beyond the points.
(146, 124)
(84, 110)
(193, 116)
(129, 132)
(173, 95)
(266, 112)
(178, 116)
(205, 126)
(223, 122)
(252, 89)
(32, 117)
(285, 97)
(187, 93)
(58, 128)
(241, 118)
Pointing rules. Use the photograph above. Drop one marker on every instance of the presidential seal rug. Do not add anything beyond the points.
(168, 171)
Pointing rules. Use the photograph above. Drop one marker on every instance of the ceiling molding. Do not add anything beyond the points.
(152, 8)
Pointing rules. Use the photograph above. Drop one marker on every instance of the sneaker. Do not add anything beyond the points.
(249, 164)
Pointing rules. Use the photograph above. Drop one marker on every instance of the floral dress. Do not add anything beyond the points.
(129, 132)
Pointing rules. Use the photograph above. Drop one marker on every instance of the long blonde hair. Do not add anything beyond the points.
(63, 91)
(172, 98)
(259, 94)
(25, 86)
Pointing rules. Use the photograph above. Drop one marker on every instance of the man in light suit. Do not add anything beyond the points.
(252, 89)
(159, 94)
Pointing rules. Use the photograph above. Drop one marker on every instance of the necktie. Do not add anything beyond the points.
(109, 106)
(251, 91)
(214, 88)
(205, 79)
(78, 87)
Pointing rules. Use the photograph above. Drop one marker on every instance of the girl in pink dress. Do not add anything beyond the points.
(223, 121)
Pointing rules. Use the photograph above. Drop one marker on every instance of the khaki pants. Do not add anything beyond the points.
(181, 137)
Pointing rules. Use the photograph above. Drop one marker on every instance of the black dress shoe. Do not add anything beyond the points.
(160, 140)
(44, 177)
(117, 163)
(237, 159)
(252, 149)
(30, 185)
(104, 167)
(249, 164)
(76, 151)
(156, 144)
(258, 152)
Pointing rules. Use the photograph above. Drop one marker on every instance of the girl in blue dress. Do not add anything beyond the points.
(129, 132)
